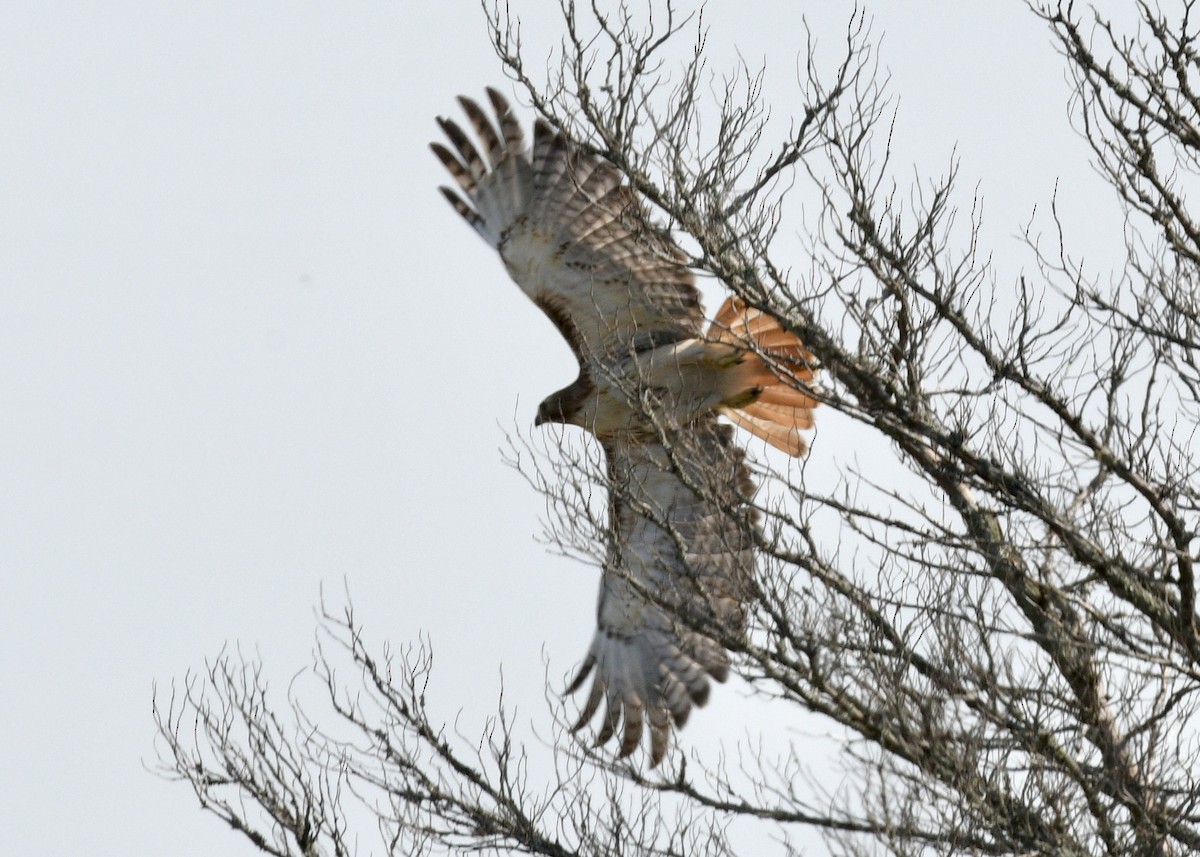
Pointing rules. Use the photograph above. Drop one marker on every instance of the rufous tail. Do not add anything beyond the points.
(773, 364)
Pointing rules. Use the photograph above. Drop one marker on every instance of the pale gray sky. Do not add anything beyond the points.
(246, 350)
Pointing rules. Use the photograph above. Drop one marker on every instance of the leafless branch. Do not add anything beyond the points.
(996, 613)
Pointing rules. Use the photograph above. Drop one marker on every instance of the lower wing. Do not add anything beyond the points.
(679, 570)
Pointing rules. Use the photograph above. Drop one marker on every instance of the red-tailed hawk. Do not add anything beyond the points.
(679, 565)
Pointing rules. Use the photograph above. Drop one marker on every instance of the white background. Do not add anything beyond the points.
(246, 350)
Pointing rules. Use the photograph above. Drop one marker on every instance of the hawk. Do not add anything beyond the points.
(679, 561)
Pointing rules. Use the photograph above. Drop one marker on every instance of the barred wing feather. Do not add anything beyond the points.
(679, 569)
(575, 239)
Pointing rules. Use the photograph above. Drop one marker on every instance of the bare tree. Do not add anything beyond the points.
(1012, 646)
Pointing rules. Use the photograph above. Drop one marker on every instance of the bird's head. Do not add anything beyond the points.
(565, 406)
(549, 411)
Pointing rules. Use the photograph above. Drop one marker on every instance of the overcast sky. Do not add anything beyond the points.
(246, 350)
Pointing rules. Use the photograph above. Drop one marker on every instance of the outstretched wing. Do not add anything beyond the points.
(679, 570)
(575, 239)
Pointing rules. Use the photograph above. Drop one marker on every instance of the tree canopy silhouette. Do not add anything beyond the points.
(1006, 637)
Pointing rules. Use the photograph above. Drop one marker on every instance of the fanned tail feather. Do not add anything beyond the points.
(766, 396)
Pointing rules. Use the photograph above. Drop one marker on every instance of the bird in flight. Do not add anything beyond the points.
(679, 562)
